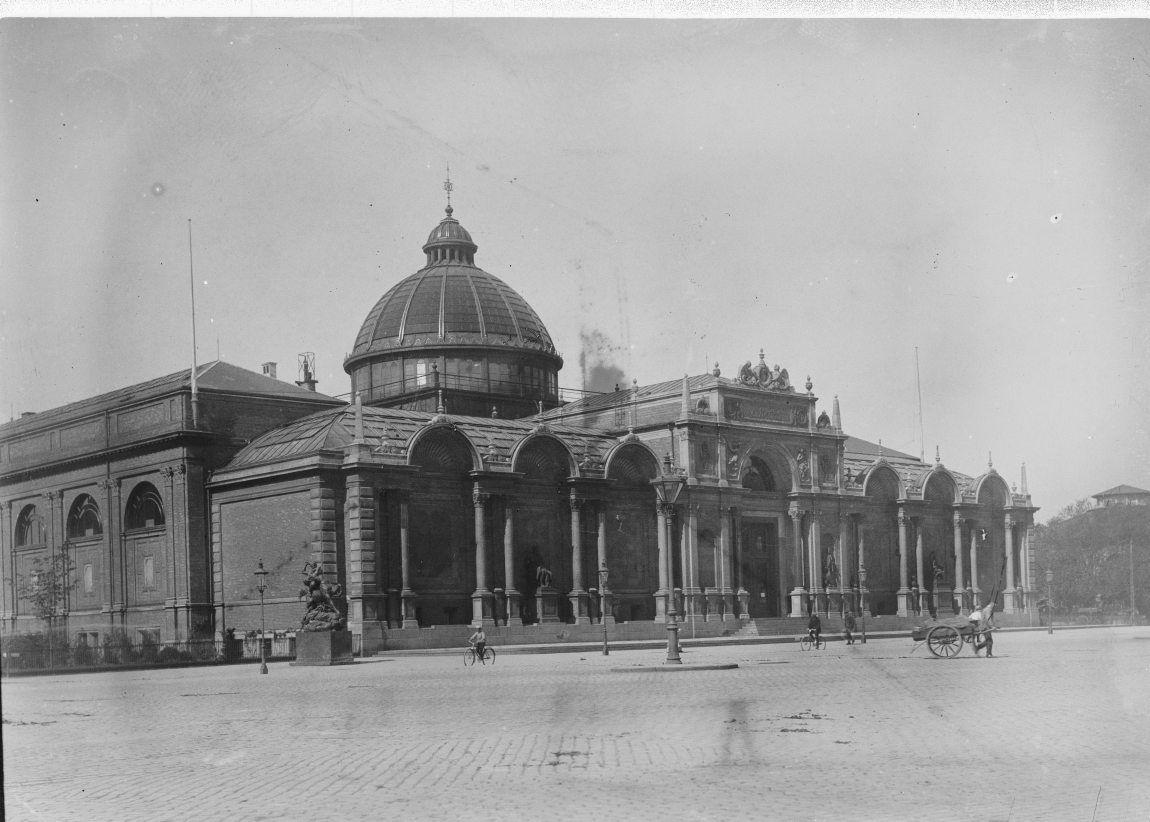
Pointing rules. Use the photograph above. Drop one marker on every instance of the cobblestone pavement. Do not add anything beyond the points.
(1054, 727)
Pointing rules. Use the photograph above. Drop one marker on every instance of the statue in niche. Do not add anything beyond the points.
(543, 576)
(936, 573)
(830, 570)
(322, 613)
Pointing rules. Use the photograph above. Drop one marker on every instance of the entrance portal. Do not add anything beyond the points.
(760, 567)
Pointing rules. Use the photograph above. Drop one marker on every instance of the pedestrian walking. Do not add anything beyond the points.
(849, 628)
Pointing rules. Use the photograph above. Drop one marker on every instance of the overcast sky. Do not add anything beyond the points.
(666, 194)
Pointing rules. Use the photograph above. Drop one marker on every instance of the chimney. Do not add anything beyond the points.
(269, 369)
(307, 371)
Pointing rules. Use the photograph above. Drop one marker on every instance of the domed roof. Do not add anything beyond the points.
(450, 301)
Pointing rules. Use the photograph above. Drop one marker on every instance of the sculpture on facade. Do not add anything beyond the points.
(764, 377)
(543, 577)
(804, 466)
(322, 613)
(830, 570)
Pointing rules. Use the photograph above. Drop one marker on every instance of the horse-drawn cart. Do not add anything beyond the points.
(945, 637)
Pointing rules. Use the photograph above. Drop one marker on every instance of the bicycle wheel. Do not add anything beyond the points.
(469, 657)
(488, 656)
(805, 643)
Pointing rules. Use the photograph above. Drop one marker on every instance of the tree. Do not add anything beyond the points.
(1092, 552)
(46, 590)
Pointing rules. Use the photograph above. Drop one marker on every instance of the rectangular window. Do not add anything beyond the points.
(390, 380)
(149, 574)
(88, 581)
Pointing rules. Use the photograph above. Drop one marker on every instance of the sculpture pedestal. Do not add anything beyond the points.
(323, 648)
(547, 605)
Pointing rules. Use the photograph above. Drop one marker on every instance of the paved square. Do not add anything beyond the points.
(1055, 727)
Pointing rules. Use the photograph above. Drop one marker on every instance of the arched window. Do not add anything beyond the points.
(145, 508)
(84, 518)
(29, 527)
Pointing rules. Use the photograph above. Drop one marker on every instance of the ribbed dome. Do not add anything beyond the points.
(450, 301)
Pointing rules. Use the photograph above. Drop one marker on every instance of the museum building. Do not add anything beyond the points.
(457, 487)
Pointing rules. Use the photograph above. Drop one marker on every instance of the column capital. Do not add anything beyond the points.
(903, 517)
(667, 509)
(108, 484)
(1009, 519)
(479, 497)
(796, 513)
(577, 503)
(959, 519)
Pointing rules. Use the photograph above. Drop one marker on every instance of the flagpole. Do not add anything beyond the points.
(192, 285)
(918, 384)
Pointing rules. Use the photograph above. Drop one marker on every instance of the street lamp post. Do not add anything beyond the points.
(1050, 600)
(603, 605)
(261, 586)
(862, 601)
(668, 485)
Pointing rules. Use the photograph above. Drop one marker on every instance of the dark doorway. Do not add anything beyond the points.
(760, 567)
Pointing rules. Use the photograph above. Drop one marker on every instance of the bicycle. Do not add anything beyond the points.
(471, 655)
(808, 642)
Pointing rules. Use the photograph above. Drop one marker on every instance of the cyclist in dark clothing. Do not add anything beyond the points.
(815, 628)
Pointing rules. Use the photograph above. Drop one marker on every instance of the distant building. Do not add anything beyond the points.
(1123, 495)
(457, 488)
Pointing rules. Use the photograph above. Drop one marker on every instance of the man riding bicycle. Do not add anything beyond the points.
(478, 641)
(815, 628)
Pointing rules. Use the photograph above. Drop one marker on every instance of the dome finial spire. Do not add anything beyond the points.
(448, 187)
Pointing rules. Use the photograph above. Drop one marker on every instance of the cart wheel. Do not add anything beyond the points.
(944, 641)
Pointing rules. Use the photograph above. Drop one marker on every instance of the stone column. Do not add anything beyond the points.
(920, 579)
(903, 590)
(692, 593)
(1027, 567)
(860, 546)
(1009, 600)
(513, 608)
(974, 566)
(664, 512)
(959, 584)
(406, 595)
(742, 595)
(481, 610)
(578, 595)
(799, 592)
(605, 613)
(818, 588)
(723, 574)
(7, 533)
(844, 557)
